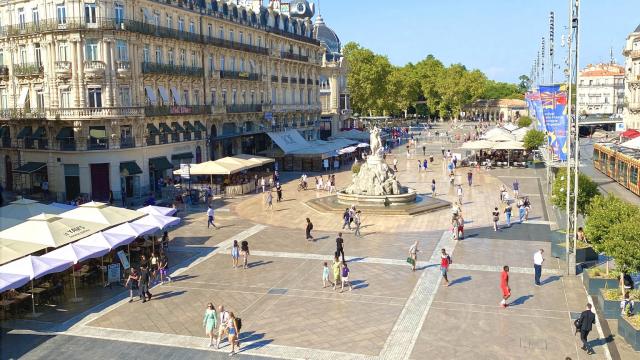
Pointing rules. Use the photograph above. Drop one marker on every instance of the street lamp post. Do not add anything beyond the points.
(568, 142)
(576, 26)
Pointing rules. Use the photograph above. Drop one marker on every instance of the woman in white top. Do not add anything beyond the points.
(413, 254)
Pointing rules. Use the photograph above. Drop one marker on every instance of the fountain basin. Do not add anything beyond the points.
(407, 204)
(407, 197)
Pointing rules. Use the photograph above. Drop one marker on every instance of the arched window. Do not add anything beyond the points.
(295, 27)
(254, 19)
(286, 24)
(244, 15)
(225, 9)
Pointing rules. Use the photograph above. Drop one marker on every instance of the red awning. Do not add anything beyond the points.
(630, 134)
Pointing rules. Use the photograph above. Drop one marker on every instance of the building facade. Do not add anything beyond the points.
(601, 89)
(496, 110)
(112, 96)
(334, 95)
(632, 84)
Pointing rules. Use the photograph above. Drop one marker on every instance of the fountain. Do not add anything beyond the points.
(376, 189)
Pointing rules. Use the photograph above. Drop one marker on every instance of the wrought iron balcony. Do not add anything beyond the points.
(160, 31)
(27, 69)
(274, 78)
(17, 114)
(293, 36)
(127, 142)
(292, 56)
(4, 71)
(244, 108)
(240, 75)
(167, 69)
(177, 110)
(235, 45)
(49, 25)
(94, 113)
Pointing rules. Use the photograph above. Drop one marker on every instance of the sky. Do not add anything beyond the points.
(499, 37)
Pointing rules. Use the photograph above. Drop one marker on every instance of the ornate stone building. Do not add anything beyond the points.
(601, 89)
(112, 95)
(632, 80)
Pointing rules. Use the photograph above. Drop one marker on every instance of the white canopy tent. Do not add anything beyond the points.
(478, 145)
(500, 137)
(112, 240)
(493, 132)
(508, 145)
(51, 230)
(102, 213)
(23, 209)
(157, 210)
(159, 221)
(12, 281)
(510, 126)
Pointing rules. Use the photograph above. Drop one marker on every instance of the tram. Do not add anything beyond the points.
(620, 163)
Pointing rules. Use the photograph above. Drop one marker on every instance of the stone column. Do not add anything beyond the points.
(52, 89)
(108, 71)
(75, 74)
(80, 84)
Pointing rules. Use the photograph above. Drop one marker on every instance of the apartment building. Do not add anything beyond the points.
(632, 81)
(112, 96)
(601, 89)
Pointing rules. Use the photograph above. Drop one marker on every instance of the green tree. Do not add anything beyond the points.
(428, 72)
(525, 121)
(587, 189)
(523, 86)
(604, 212)
(502, 90)
(622, 242)
(533, 139)
(366, 77)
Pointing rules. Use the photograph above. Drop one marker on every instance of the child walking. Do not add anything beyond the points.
(345, 276)
(325, 276)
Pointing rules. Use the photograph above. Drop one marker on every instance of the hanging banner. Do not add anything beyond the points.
(554, 105)
(535, 109)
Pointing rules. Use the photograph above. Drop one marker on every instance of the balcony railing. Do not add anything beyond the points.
(154, 68)
(235, 45)
(11, 114)
(244, 108)
(127, 142)
(4, 70)
(48, 25)
(292, 56)
(294, 80)
(103, 112)
(160, 31)
(63, 65)
(240, 75)
(274, 78)
(293, 36)
(98, 144)
(284, 79)
(28, 69)
(177, 110)
(123, 65)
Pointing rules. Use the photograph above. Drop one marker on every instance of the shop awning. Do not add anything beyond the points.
(25, 132)
(200, 127)
(129, 168)
(289, 141)
(160, 163)
(153, 130)
(30, 167)
(164, 94)
(176, 95)
(65, 133)
(165, 129)
(186, 155)
(177, 127)
(40, 133)
(151, 95)
(189, 126)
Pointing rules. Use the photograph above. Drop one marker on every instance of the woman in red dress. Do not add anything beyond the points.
(504, 285)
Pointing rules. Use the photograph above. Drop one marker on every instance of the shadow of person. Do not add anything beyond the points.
(521, 300)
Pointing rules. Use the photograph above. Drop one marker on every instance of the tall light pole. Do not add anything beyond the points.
(542, 58)
(576, 26)
(568, 142)
(551, 42)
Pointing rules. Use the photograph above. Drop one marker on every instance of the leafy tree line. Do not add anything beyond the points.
(378, 87)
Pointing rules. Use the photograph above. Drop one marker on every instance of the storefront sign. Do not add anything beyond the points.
(123, 259)
(113, 273)
(185, 171)
(325, 163)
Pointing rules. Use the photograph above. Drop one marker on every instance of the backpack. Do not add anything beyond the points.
(239, 322)
(449, 260)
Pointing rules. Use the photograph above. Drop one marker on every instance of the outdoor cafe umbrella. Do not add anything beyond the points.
(102, 213)
(161, 222)
(25, 208)
(509, 145)
(103, 239)
(34, 267)
(76, 253)
(51, 230)
(12, 281)
(158, 210)
(132, 229)
(12, 249)
(477, 145)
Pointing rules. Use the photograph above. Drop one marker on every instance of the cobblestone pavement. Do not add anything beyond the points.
(391, 313)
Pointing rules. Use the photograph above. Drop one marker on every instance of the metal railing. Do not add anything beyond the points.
(244, 108)
(63, 66)
(27, 69)
(94, 65)
(177, 110)
(101, 112)
(4, 70)
(11, 114)
(127, 142)
(216, 41)
(155, 68)
(240, 75)
(292, 56)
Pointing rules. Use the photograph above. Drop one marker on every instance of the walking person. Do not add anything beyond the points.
(340, 246)
(521, 209)
(507, 212)
(496, 216)
(504, 286)
(222, 327)
(153, 269)
(424, 150)
(527, 208)
(325, 276)
(332, 184)
(143, 282)
(345, 276)
(244, 251)
(459, 192)
(357, 221)
(584, 325)
(163, 268)
(538, 259)
(233, 332)
(433, 187)
(395, 164)
(210, 322)
(235, 253)
(336, 271)
(470, 177)
(269, 201)
(263, 183)
(516, 188)
(279, 192)
(346, 218)
(413, 255)
(445, 261)
(419, 165)
(132, 283)
(425, 164)
(210, 217)
(308, 230)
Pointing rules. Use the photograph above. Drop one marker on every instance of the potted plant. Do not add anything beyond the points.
(629, 330)
(596, 278)
(609, 302)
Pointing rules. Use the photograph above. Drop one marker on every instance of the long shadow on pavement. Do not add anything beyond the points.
(518, 232)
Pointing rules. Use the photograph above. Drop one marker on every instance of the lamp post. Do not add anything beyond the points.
(568, 142)
(576, 26)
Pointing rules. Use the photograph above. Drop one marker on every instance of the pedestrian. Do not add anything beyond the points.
(345, 277)
(496, 217)
(357, 221)
(317, 183)
(346, 218)
(279, 191)
(222, 325)
(325, 276)
(470, 177)
(413, 255)
(445, 261)
(321, 182)
(516, 188)
(460, 228)
(537, 266)
(425, 164)
(419, 165)
(244, 251)
(340, 246)
(269, 201)
(255, 182)
(210, 322)
(332, 184)
(521, 209)
(263, 183)
(233, 332)
(584, 324)
(143, 282)
(433, 187)
(308, 230)
(424, 150)
(132, 283)
(626, 305)
(153, 269)
(210, 217)
(459, 192)
(163, 268)
(336, 272)
(504, 285)
(507, 212)
(395, 164)
(527, 208)
(441, 148)
(235, 253)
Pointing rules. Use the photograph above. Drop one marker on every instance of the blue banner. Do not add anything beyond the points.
(554, 104)
(535, 109)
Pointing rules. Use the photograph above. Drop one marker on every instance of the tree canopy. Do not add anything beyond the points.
(587, 190)
(533, 139)
(378, 87)
(604, 212)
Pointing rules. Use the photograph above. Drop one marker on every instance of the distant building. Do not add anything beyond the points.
(632, 83)
(601, 89)
(496, 110)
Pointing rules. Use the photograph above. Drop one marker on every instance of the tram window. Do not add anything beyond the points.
(634, 175)
(612, 164)
(596, 154)
(622, 172)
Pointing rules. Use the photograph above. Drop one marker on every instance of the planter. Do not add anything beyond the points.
(585, 255)
(629, 333)
(610, 308)
(593, 285)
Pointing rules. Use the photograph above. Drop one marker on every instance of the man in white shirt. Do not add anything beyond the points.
(210, 217)
(537, 265)
(459, 194)
(222, 325)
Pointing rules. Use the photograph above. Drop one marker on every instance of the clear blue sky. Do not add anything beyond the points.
(499, 37)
